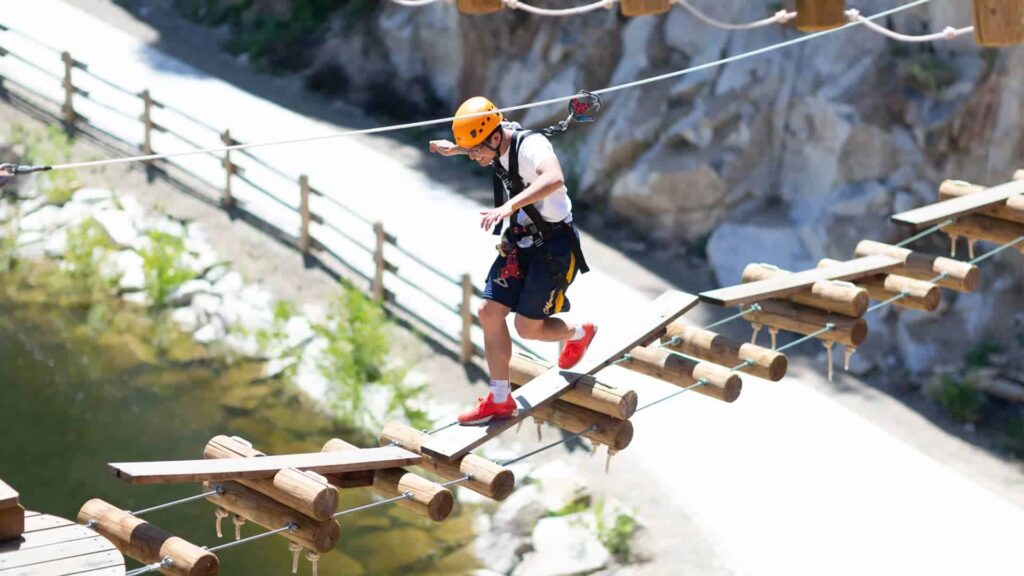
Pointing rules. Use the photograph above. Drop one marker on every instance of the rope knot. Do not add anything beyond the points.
(608, 4)
(512, 4)
(853, 15)
(784, 16)
(950, 33)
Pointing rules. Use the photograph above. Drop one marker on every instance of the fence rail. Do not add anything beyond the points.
(242, 172)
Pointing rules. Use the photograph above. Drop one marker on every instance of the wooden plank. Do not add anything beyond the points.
(112, 571)
(612, 343)
(47, 537)
(782, 286)
(940, 211)
(67, 566)
(54, 551)
(8, 496)
(262, 467)
(44, 522)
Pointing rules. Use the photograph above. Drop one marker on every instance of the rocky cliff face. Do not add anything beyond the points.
(786, 157)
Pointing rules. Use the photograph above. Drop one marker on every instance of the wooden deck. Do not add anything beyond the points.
(935, 213)
(53, 546)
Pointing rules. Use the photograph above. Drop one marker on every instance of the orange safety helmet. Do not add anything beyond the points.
(472, 131)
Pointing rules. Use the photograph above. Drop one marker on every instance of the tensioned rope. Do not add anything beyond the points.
(405, 126)
(567, 438)
(948, 33)
(780, 17)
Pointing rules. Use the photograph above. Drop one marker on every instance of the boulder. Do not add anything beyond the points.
(564, 545)
(732, 246)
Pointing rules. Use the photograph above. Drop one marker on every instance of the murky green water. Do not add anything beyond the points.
(78, 390)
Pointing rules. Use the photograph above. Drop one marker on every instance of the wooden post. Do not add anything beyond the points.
(830, 295)
(724, 351)
(921, 295)
(308, 493)
(229, 170)
(645, 7)
(722, 384)
(588, 392)
(803, 320)
(489, 479)
(1012, 210)
(304, 210)
(69, 91)
(147, 125)
(378, 262)
(147, 543)
(12, 514)
(429, 499)
(818, 15)
(963, 277)
(466, 353)
(998, 22)
(479, 6)
(271, 514)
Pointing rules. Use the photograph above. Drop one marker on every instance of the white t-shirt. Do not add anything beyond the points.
(533, 152)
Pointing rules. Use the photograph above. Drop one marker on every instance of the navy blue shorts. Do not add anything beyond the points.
(537, 294)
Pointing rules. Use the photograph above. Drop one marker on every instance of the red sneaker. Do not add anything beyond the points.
(488, 410)
(574, 350)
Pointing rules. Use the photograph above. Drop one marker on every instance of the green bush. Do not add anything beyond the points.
(1013, 435)
(980, 356)
(927, 72)
(47, 147)
(163, 266)
(960, 398)
(356, 355)
(617, 537)
(82, 271)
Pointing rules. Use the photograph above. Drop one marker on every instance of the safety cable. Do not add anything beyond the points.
(423, 123)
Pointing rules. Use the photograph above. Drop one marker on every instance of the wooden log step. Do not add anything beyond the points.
(147, 543)
(962, 277)
(998, 22)
(589, 392)
(631, 8)
(265, 467)
(818, 15)
(479, 6)
(12, 515)
(722, 383)
(489, 479)
(803, 320)
(609, 346)
(724, 351)
(960, 206)
(782, 286)
(921, 295)
(988, 229)
(612, 432)
(1012, 210)
(247, 503)
(306, 492)
(429, 499)
(829, 295)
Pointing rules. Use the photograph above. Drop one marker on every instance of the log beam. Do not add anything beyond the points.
(921, 295)
(803, 320)
(962, 277)
(1012, 210)
(721, 383)
(829, 295)
(589, 392)
(488, 478)
(149, 544)
(724, 351)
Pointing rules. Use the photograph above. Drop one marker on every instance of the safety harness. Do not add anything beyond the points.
(537, 228)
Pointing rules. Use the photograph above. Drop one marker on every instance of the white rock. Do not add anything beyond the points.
(564, 545)
(520, 511)
(230, 283)
(42, 220)
(119, 225)
(92, 195)
(205, 305)
(211, 332)
(129, 266)
(499, 552)
(732, 246)
(140, 298)
(184, 294)
(811, 158)
(860, 200)
(186, 318)
(56, 243)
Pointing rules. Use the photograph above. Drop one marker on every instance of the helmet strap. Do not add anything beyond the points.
(501, 140)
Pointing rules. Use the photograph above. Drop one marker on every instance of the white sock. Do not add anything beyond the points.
(500, 389)
(578, 333)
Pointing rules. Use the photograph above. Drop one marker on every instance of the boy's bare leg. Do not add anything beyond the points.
(546, 330)
(497, 340)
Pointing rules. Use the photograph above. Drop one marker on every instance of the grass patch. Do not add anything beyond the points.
(83, 272)
(47, 147)
(163, 266)
(617, 535)
(980, 356)
(959, 398)
(356, 357)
